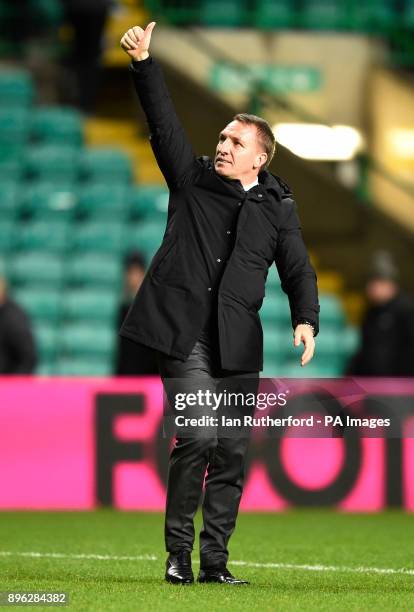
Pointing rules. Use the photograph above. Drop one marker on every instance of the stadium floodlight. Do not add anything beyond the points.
(319, 142)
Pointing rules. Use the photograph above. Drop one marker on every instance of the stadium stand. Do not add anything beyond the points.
(71, 207)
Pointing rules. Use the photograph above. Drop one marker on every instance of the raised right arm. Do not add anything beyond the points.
(172, 150)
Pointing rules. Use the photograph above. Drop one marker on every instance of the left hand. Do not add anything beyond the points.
(304, 333)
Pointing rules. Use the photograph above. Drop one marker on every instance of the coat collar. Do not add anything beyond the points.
(269, 184)
(273, 183)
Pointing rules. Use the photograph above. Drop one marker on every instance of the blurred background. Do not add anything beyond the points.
(83, 205)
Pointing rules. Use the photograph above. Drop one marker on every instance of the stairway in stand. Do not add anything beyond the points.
(123, 134)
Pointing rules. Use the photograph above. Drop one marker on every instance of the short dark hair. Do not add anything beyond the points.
(134, 259)
(264, 131)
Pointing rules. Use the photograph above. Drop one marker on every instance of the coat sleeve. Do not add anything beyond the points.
(296, 273)
(172, 150)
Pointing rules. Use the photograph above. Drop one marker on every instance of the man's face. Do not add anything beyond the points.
(133, 278)
(381, 290)
(238, 153)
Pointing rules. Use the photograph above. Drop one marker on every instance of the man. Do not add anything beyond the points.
(88, 19)
(133, 359)
(387, 333)
(228, 220)
(17, 347)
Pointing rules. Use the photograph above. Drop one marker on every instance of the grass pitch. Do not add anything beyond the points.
(299, 560)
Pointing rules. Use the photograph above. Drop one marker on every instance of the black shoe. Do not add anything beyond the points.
(178, 568)
(221, 576)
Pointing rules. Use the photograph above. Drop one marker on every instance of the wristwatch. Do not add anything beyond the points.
(304, 322)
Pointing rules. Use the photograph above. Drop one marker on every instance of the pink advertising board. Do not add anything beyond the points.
(81, 443)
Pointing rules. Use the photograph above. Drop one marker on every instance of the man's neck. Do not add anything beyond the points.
(248, 185)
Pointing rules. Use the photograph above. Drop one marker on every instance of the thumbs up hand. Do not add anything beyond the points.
(136, 41)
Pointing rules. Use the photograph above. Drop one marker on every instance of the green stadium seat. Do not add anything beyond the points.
(6, 235)
(269, 14)
(57, 125)
(46, 338)
(36, 269)
(106, 166)
(14, 125)
(49, 12)
(313, 369)
(90, 305)
(331, 349)
(330, 342)
(274, 289)
(95, 366)
(408, 14)
(325, 14)
(40, 303)
(277, 343)
(8, 200)
(45, 366)
(100, 200)
(81, 339)
(7, 10)
(273, 282)
(351, 337)
(331, 312)
(334, 345)
(52, 162)
(338, 362)
(271, 367)
(11, 46)
(105, 236)
(223, 12)
(50, 236)
(146, 237)
(94, 270)
(16, 88)
(11, 160)
(374, 15)
(46, 200)
(275, 309)
(179, 13)
(275, 368)
(149, 201)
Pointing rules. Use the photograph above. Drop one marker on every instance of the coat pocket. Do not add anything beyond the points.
(167, 291)
(161, 268)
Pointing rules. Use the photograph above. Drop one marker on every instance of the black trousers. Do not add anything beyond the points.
(216, 460)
